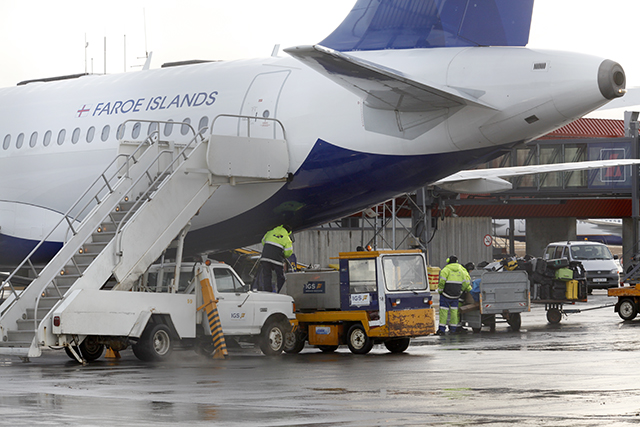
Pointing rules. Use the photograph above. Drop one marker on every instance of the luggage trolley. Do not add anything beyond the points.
(503, 293)
(557, 290)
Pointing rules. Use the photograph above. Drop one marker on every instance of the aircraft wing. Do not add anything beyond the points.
(483, 181)
(381, 87)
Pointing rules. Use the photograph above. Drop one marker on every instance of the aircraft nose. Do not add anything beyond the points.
(611, 79)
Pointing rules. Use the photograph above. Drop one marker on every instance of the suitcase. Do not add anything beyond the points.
(572, 289)
(558, 290)
(564, 273)
(558, 263)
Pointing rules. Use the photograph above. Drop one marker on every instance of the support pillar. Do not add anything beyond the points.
(542, 231)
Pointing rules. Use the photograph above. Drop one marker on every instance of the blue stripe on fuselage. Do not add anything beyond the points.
(333, 182)
(14, 250)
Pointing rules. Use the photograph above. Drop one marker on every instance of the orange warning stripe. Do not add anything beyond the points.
(209, 303)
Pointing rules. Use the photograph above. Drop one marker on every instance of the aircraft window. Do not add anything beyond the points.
(47, 138)
(91, 132)
(184, 129)
(121, 130)
(75, 136)
(20, 140)
(204, 122)
(152, 128)
(135, 132)
(168, 128)
(266, 114)
(105, 133)
(61, 135)
(33, 140)
(7, 142)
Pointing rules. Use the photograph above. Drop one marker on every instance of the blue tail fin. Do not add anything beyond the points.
(409, 24)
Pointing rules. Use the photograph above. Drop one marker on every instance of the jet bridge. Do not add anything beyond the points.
(125, 220)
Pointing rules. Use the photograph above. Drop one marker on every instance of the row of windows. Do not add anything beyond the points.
(104, 133)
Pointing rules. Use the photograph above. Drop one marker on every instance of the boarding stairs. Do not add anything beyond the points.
(130, 214)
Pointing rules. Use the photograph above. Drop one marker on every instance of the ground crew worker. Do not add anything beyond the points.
(277, 247)
(454, 280)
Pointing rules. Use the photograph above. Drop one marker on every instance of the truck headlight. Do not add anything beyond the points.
(614, 271)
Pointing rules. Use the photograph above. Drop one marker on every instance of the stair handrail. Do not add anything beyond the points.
(151, 139)
(67, 217)
(249, 118)
(161, 176)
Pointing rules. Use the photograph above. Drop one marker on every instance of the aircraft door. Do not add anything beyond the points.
(261, 101)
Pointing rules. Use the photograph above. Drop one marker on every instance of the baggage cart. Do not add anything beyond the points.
(504, 293)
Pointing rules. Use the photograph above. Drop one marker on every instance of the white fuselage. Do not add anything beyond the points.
(42, 174)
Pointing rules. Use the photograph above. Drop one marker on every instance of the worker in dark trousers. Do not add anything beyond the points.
(277, 247)
(454, 280)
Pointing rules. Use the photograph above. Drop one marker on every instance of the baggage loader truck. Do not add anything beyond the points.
(170, 306)
(375, 297)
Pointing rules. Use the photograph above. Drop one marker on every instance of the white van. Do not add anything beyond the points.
(596, 258)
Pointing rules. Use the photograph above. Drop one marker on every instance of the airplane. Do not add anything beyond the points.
(401, 94)
(607, 231)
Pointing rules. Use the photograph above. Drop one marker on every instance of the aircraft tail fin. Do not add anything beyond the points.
(409, 24)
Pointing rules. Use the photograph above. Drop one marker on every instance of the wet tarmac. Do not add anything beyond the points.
(581, 372)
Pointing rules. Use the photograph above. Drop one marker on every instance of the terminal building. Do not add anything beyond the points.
(445, 223)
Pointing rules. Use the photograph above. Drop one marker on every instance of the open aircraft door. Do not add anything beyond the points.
(259, 149)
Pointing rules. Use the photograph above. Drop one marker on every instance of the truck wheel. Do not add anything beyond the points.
(515, 321)
(358, 341)
(293, 342)
(397, 345)
(628, 309)
(91, 349)
(554, 316)
(272, 340)
(154, 344)
(71, 356)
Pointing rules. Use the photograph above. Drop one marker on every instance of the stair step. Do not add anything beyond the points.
(51, 292)
(15, 344)
(20, 336)
(84, 258)
(93, 247)
(41, 312)
(125, 206)
(48, 302)
(103, 236)
(81, 266)
(65, 281)
(27, 324)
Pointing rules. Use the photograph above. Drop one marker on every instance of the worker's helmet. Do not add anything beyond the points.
(452, 259)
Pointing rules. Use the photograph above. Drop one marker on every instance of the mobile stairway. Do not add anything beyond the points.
(126, 219)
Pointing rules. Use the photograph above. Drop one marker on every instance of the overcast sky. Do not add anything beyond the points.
(47, 38)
